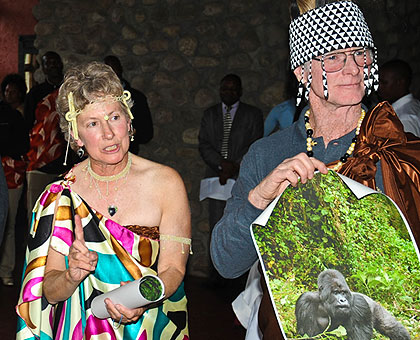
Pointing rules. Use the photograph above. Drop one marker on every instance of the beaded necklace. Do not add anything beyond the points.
(310, 143)
(113, 177)
(112, 207)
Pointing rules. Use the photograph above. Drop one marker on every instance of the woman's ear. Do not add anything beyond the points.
(79, 143)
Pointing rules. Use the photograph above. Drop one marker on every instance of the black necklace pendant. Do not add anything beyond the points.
(112, 210)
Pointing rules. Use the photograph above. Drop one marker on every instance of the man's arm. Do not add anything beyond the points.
(258, 131)
(232, 249)
(254, 123)
(207, 141)
(411, 124)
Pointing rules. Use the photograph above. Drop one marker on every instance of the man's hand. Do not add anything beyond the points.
(229, 170)
(288, 172)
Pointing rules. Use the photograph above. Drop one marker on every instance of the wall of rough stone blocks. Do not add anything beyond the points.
(176, 52)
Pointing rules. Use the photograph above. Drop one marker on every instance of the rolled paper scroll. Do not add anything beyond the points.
(138, 293)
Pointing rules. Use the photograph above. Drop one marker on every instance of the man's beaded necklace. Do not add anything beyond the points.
(310, 143)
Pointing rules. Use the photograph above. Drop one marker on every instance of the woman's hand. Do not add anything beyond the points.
(59, 282)
(119, 312)
(82, 261)
(287, 172)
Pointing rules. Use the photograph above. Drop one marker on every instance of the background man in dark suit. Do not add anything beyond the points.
(227, 130)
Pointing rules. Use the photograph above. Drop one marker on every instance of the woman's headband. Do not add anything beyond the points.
(335, 26)
(72, 113)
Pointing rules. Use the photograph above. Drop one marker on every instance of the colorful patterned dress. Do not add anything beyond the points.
(124, 254)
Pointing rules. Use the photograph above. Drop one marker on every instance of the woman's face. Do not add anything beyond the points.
(104, 131)
(345, 87)
(12, 94)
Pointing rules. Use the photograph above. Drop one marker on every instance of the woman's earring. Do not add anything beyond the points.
(80, 152)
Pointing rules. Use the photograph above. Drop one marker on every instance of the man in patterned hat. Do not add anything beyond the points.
(334, 59)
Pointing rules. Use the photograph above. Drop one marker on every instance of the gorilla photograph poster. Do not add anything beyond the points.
(340, 262)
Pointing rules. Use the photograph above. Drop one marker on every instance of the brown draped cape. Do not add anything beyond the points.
(382, 138)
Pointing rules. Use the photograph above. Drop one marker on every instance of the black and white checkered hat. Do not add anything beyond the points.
(335, 26)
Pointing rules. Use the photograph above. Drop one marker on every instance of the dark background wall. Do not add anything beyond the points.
(176, 52)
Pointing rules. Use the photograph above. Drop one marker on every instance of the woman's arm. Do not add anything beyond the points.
(176, 221)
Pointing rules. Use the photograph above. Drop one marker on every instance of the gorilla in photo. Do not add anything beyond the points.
(336, 305)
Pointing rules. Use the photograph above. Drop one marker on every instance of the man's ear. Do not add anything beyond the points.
(298, 73)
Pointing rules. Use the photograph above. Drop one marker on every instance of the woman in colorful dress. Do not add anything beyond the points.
(115, 217)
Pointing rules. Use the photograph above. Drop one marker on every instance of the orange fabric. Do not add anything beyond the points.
(382, 138)
(14, 170)
(47, 141)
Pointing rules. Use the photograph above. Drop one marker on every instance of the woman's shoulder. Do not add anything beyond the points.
(73, 177)
(153, 171)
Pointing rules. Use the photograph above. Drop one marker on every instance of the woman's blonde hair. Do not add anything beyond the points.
(89, 83)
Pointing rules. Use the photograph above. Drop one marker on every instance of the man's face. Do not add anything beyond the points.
(52, 66)
(345, 87)
(388, 85)
(230, 92)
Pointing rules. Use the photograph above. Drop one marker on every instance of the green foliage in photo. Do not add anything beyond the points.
(322, 225)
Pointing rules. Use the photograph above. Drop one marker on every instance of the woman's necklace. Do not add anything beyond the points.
(112, 208)
(119, 175)
(310, 143)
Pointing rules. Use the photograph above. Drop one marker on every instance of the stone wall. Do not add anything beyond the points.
(176, 52)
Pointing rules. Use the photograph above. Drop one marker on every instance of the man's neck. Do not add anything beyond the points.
(234, 104)
(54, 81)
(332, 123)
